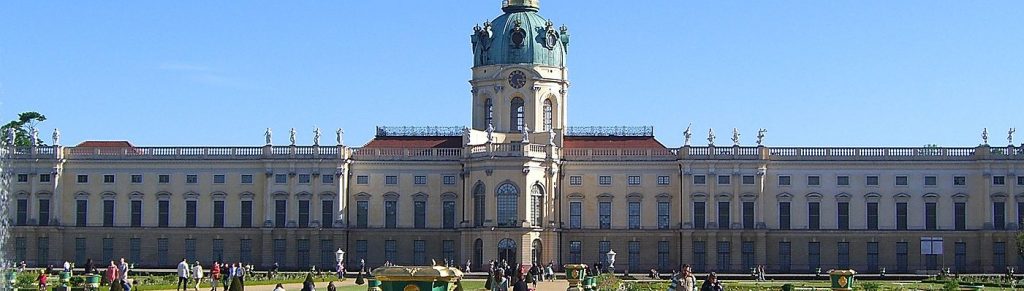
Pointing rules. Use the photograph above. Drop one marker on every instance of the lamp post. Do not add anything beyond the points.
(611, 260)
(340, 256)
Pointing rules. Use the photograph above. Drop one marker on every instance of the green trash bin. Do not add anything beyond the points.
(842, 280)
(787, 287)
(417, 278)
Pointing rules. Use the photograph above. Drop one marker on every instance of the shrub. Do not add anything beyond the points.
(951, 286)
(870, 286)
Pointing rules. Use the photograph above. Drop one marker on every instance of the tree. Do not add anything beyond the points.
(23, 126)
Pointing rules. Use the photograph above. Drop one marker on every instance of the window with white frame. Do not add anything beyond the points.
(363, 180)
(136, 179)
(191, 179)
(634, 180)
(663, 180)
(575, 180)
(219, 179)
(304, 178)
(604, 180)
(391, 180)
(419, 180)
(699, 179)
(246, 179)
(449, 180)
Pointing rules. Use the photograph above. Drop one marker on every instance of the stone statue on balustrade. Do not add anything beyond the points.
(490, 133)
(735, 136)
(711, 136)
(341, 136)
(316, 136)
(551, 136)
(56, 136)
(687, 134)
(268, 135)
(34, 135)
(291, 138)
(760, 136)
(984, 136)
(1009, 136)
(526, 134)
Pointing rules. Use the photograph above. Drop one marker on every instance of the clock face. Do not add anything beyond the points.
(517, 79)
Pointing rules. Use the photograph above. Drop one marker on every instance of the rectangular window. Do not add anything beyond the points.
(419, 214)
(217, 250)
(634, 255)
(785, 256)
(634, 215)
(813, 255)
(390, 250)
(419, 180)
(305, 179)
(108, 179)
(448, 250)
(326, 213)
(22, 215)
(136, 179)
(663, 180)
(362, 213)
(724, 257)
(999, 255)
(960, 215)
(784, 215)
(901, 256)
(785, 180)
(843, 180)
(748, 180)
(363, 180)
(999, 215)
(449, 214)
(575, 252)
(748, 215)
(813, 215)
(664, 208)
(901, 215)
(699, 256)
(605, 218)
(362, 249)
(108, 213)
(634, 180)
(390, 214)
(280, 251)
(391, 180)
(281, 179)
(81, 212)
(161, 251)
(163, 213)
(218, 213)
(872, 215)
(302, 253)
(81, 179)
(960, 257)
(575, 180)
(190, 249)
(902, 180)
(280, 213)
(998, 180)
(43, 250)
(698, 215)
(844, 215)
(419, 250)
(80, 250)
(663, 255)
(959, 181)
(843, 248)
(23, 178)
(930, 222)
(136, 213)
(44, 178)
(871, 180)
(604, 180)
(246, 179)
(163, 179)
(218, 179)
(449, 180)
(747, 255)
(191, 210)
(724, 179)
(723, 215)
(44, 212)
(813, 180)
(191, 179)
(930, 181)
(1020, 180)
(575, 214)
(20, 248)
(872, 251)
(246, 214)
(303, 213)
(700, 179)
(602, 248)
(327, 179)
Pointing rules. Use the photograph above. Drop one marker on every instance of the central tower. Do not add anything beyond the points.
(519, 74)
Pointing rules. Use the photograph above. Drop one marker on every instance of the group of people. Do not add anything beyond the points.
(220, 274)
(758, 273)
(502, 277)
(684, 280)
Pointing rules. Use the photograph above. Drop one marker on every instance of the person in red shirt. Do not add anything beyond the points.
(112, 273)
(214, 276)
(42, 280)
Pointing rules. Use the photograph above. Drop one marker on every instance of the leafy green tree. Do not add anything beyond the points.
(23, 126)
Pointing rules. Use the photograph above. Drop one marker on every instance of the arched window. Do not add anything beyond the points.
(479, 203)
(537, 251)
(478, 253)
(536, 205)
(516, 120)
(547, 115)
(508, 205)
(488, 112)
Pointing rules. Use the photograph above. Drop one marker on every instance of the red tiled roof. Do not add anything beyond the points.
(415, 142)
(106, 144)
(632, 142)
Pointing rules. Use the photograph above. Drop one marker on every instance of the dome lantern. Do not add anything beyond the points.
(520, 5)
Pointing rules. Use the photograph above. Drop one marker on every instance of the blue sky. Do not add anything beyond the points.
(814, 73)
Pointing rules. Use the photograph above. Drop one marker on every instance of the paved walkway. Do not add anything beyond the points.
(559, 285)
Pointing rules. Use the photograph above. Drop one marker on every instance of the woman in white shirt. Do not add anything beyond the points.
(197, 275)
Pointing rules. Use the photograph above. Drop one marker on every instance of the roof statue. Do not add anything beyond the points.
(268, 135)
(465, 136)
(687, 134)
(1009, 136)
(340, 136)
(735, 136)
(526, 134)
(984, 136)
(760, 136)
(56, 136)
(490, 132)
(316, 135)
(551, 137)
(10, 135)
(291, 136)
(711, 136)
(34, 135)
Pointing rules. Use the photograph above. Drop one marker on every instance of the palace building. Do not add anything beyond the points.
(523, 185)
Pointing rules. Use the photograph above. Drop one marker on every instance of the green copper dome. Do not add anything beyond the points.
(520, 36)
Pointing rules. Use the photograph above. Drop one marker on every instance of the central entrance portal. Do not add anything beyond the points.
(507, 251)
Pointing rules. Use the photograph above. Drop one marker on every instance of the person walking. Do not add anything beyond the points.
(111, 274)
(500, 281)
(687, 281)
(520, 284)
(240, 273)
(182, 275)
(712, 283)
(214, 276)
(197, 275)
(42, 280)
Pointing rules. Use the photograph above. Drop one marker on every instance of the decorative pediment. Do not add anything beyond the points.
(163, 195)
(81, 195)
(22, 195)
(960, 198)
(748, 197)
(191, 195)
(391, 196)
(784, 197)
(420, 196)
(663, 197)
(723, 197)
(635, 197)
(218, 195)
(931, 197)
(363, 196)
(246, 195)
(109, 195)
(813, 197)
(448, 196)
(999, 197)
(136, 195)
(872, 197)
(576, 196)
(303, 195)
(901, 197)
(605, 197)
(843, 197)
(699, 197)
(327, 195)
(280, 195)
